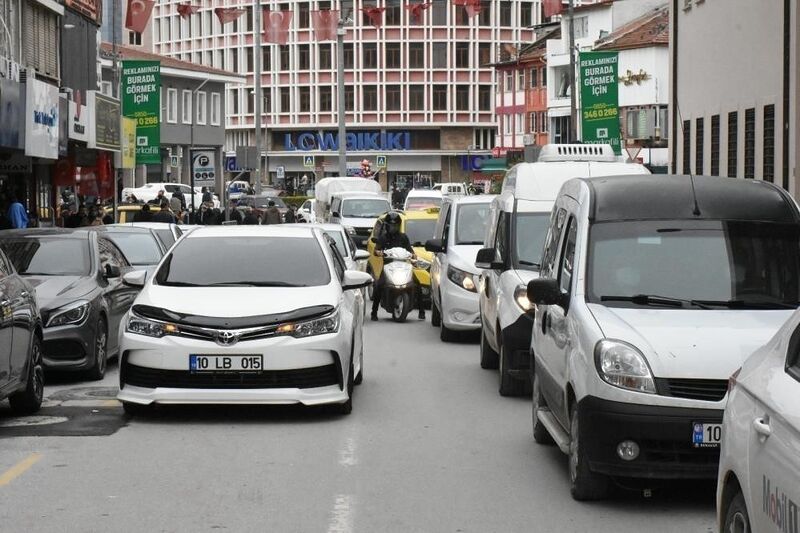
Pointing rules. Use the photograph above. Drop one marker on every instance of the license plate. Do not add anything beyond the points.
(706, 435)
(226, 363)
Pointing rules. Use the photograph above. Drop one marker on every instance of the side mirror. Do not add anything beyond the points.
(135, 278)
(354, 279)
(111, 271)
(487, 259)
(360, 255)
(544, 291)
(336, 214)
(434, 245)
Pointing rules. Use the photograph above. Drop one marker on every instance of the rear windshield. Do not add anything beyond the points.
(420, 230)
(248, 261)
(48, 256)
(364, 208)
(471, 223)
(423, 202)
(138, 248)
(708, 262)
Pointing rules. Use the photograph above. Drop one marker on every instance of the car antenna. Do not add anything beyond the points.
(696, 210)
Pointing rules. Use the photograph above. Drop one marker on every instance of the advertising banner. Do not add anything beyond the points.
(141, 83)
(105, 111)
(204, 172)
(41, 119)
(79, 123)
(63, 125)
(88, 8)
(11, 115)
(600, 99)
(128, 143)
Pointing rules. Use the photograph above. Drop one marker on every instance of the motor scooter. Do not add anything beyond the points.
(398, 290)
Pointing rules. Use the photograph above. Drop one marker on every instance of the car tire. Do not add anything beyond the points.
(447, 335)
(29, 400)
(540, 433)
(489, 358)
(436, 316)
(360, 376)
(509, 386)
(347, 407)
(736, 517)
(134, 409)
(98, 369)
(585, 485)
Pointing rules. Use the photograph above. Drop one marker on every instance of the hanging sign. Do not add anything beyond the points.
(600, 99)
(141, 86)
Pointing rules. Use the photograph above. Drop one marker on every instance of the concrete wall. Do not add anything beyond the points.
(655, 62)
(180, 133)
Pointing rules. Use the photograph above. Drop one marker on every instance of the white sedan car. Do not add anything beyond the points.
(276, 321)
(149, 192)
(759, 471)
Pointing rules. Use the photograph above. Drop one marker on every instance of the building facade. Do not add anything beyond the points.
(735, 89)
(419, 92)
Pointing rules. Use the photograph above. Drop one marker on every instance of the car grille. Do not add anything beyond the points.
(670, 452)
(363, 232)
(302, 378)
(63, 350)
(711, 390)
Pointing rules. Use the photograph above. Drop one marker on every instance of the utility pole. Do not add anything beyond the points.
(115, 94)
(257, 89)
(341, 30)
(573, 114)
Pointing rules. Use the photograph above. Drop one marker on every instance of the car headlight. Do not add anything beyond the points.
(422, 264)
(350, 230)
(521, 297)
(74, 313)
(461, 278)
(150, 328)
(318, 326)
(622, 365)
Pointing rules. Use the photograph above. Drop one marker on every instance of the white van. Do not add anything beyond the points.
(358, 212)
(512, 251)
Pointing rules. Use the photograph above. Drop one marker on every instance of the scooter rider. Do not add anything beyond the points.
(392, 237)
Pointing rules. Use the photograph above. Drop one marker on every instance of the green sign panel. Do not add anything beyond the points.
(600, 99)
(141, 85)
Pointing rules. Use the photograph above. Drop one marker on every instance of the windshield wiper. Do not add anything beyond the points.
(653, 299)
(529, 263)
(253, 284)
(746, 304)
(177, 284)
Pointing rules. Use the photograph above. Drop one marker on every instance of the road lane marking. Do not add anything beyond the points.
(341, 515)
(347, 453)
(18, 469)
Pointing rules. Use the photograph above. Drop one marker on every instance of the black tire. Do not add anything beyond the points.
(347, 407)
(360, 376)
(447, 335)
(509, 386)
(737, 520)
(540, 433)
(436, 317)
(29, 400)
(489, 358)
(98, 369)
(400, 312)
(134, 409)
(585, 485)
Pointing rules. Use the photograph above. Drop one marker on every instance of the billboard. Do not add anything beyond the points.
(41, 119)
(600, 99)
(141, 85)
(105, 111)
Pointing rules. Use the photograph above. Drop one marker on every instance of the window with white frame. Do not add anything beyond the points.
(105, 88)
(520, 79)
(186, 107)
(216, 111)
(520, 123)
(172, 105)
(509, 83)
(201, 107)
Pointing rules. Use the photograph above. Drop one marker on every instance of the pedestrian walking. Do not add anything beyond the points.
(165, 214)
(144, 214)
(236, 215)
(272, 214)
(17, 214)
(207, 196)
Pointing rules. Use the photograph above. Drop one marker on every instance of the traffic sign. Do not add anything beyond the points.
(633, 152)
(308, 161)
(281, 171)
(380, 161)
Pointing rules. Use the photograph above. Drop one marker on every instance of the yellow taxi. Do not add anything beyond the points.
(419, 226)
(125, 212)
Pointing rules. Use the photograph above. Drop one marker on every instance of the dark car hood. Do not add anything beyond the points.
(52, 290)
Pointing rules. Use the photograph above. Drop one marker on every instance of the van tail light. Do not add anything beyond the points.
(732, 379)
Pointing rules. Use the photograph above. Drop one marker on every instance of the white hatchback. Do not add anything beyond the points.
(245, 315)
(759, 471)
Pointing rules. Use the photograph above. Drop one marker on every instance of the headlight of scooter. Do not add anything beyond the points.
(622, 365)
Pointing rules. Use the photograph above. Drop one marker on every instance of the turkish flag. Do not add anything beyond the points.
(417, 9)
(186, 9)
(138, 14)
(228, 14)
(325, 23)
(473, 7)
(276, 26)
(375, 15)
(552, 7)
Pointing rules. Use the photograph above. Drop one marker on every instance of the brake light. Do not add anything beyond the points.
(732, 379)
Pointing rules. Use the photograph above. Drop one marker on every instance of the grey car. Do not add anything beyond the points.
(77, 278)
(142, 247)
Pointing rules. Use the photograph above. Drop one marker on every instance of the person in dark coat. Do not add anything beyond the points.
(235, 214)
(144, 214)
(272, 215)
(251, 219)
(207, 196)
(290, 216)
(165, 215)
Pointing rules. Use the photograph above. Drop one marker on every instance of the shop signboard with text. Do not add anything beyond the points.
(41, 119)
(141, 84)
(128, 142)
(357, 141)
(204, 172)
(105, 111)
(600, 99)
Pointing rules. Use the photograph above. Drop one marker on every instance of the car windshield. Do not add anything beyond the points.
(364, 208)
(138, 248)
(423, 202)
(471, 223)
(420, 230)
(530, 232)
(249, 261)
(338, 238)
(48, 256)
(705, 263)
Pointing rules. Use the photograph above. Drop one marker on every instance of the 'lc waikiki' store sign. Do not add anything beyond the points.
(361, 141)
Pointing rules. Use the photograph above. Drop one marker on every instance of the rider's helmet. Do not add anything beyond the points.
(392, 222)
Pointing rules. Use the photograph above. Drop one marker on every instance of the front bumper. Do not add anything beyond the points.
(517, 343)
(69, 347)
(664, 436)
(460, 308)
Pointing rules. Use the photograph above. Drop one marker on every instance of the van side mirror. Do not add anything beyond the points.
(487, 259)
(434, 245)
(545, 291)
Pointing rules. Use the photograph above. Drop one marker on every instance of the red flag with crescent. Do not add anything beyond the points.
(186, 9)
(138, 14)
(228, 14)
(375, 15)
(325, 23)
(416, 10)
(276, 26)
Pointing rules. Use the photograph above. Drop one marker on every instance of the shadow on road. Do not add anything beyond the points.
(235, 414)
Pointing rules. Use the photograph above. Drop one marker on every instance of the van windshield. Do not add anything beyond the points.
(696, 264)
(365, 208)
(529, 233)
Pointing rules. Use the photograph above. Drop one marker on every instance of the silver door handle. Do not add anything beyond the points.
(762, 427)
(24, 294)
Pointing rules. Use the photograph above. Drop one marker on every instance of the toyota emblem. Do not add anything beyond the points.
(227, 338)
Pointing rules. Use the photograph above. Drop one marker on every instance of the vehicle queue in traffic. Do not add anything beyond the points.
(651, 318)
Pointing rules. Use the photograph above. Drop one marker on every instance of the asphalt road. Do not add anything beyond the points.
(430, 447)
